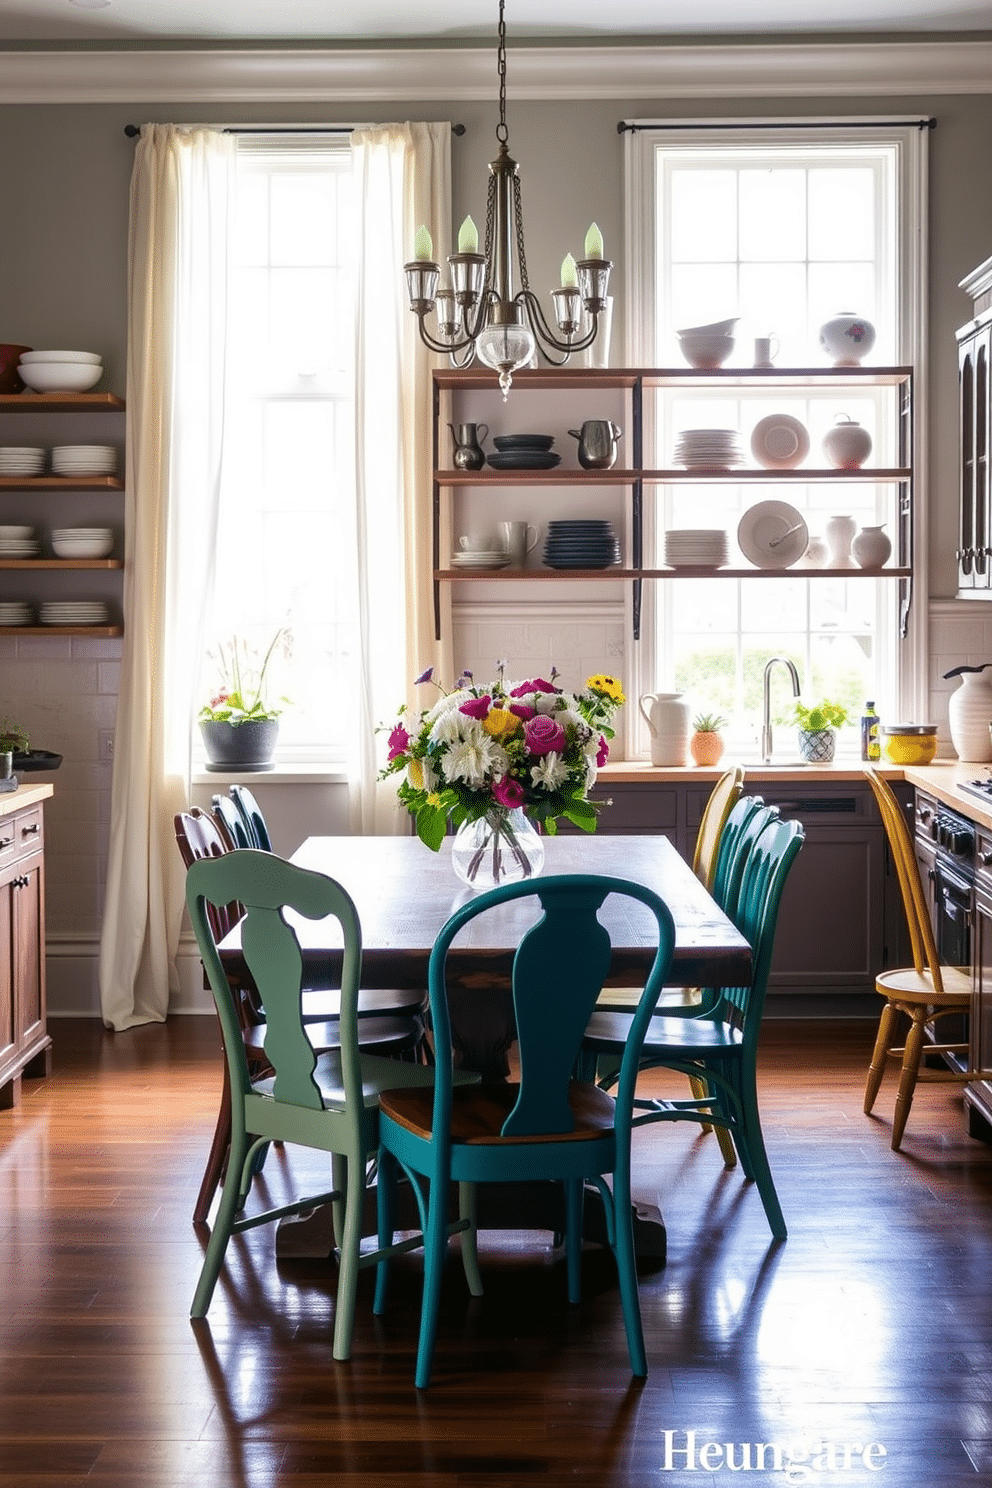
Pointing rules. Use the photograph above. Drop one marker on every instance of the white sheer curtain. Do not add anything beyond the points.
(402, 179)
(181, 200)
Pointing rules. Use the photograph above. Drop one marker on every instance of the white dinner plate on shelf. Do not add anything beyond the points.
(779, 442)
(772, 534)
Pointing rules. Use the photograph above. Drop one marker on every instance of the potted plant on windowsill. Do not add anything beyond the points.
(239, 726)
(817, 725)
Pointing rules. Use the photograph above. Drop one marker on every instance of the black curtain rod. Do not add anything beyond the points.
(133, 130)
(624, 126)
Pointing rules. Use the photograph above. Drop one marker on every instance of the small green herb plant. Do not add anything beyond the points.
(13, 739)
(820, 716)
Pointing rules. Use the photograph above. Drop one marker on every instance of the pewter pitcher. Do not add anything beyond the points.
(468, 453)
(597, 443)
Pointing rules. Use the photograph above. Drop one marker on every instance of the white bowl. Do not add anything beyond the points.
(706, 351)
(92, 358)
(717, 328)
(61, 377)
(76, 549)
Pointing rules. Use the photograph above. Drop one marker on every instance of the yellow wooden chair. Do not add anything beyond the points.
(925, 991)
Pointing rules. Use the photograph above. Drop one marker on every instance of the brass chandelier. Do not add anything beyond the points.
(480, 314)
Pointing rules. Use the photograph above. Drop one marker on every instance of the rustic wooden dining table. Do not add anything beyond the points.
(404, 893)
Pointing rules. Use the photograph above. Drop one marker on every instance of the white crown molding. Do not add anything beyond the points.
(853, 69)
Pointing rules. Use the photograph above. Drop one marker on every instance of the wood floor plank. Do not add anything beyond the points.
(872, 1323)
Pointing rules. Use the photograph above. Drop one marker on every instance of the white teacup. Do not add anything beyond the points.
(478, 542)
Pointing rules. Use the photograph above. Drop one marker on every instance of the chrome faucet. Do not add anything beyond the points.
(766, 730)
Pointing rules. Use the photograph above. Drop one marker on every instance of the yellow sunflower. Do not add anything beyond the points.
(609, 686)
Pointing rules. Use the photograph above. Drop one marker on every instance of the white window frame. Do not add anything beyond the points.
(909, 143)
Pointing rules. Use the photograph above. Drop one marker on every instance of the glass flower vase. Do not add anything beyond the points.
(499, 848)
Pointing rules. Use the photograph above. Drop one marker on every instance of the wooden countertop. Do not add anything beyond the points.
(24, 795)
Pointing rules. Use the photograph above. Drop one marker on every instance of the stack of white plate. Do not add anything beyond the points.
(18, 542)
(74, 612)
(18, 459)
(695, 547)
(84, 459)
(15, 612)
(480, 558)
(82, 542)
(708, 449)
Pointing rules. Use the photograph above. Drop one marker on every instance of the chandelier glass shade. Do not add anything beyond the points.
(480, 313)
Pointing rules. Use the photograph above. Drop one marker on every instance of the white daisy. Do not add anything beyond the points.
(549, 772)
(469, 759)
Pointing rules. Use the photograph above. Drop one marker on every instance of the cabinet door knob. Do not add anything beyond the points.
(7, 842)
(32, 830)
(985, 859)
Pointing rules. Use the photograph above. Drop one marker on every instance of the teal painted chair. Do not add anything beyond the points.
(718, 1045)
(330, 1101)
(547, 1126)
(252, 819)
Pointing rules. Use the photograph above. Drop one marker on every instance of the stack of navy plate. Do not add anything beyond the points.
(581, 544)
(523, 452)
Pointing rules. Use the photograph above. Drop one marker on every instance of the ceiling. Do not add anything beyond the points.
(161, 22)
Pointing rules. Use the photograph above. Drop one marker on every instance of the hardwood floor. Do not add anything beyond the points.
(871, 1327)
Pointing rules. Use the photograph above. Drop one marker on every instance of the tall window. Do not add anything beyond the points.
(286, 544)
(784, 227)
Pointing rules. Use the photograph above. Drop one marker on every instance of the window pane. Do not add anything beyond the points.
(703, 215)
(773, 214)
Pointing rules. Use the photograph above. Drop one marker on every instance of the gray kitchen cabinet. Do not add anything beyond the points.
(841, 918)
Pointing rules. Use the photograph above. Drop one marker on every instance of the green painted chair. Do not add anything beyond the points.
(329, 1101)
(719, 1045)
(547, 1126)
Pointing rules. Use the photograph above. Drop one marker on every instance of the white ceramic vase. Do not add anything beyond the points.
(969, 713)
(847, 445)
(667, 717)
(848, 338)
(840, 534)
(871, 547)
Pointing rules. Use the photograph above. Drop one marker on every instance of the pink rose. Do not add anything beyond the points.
(476, 707)
(522, 710)
(603, 752)
(542, 735)
(399, 742)
(508, 792)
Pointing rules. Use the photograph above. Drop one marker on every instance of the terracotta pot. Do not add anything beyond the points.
(706, 748)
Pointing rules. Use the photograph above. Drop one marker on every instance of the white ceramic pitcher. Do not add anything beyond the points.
(667, 717)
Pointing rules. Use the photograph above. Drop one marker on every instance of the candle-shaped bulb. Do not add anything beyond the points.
(569, 278)
(594, 242)
(423, 246)
(468, 237)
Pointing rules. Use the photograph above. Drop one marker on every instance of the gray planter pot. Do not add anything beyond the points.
(242, 746)
(817, 746)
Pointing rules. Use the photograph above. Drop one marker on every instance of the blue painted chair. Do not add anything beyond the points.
(251, 815)
(327, 1101)
(719, 1044)
(231, 822)
(547, 1126)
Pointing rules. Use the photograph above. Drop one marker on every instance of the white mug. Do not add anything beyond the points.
(765, 350)
(516, 540)
(482, 542)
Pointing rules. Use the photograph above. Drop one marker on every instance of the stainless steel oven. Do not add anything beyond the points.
(948, 844)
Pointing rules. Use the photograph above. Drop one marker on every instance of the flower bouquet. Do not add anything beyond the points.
(503, 756)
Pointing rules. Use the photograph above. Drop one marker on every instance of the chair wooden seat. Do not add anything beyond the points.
(906, 984)
(924, 992)
(692, 1038)
(395, 1035)
(478, 1116)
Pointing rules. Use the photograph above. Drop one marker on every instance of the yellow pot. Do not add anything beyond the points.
(909, 743)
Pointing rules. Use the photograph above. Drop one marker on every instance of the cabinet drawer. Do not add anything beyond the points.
(637, 808)
(20, 834)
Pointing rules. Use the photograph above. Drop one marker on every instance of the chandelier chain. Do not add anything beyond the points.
(502, 133)
(518, 215)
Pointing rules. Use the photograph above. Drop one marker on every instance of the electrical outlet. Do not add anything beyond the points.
(106, 746)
